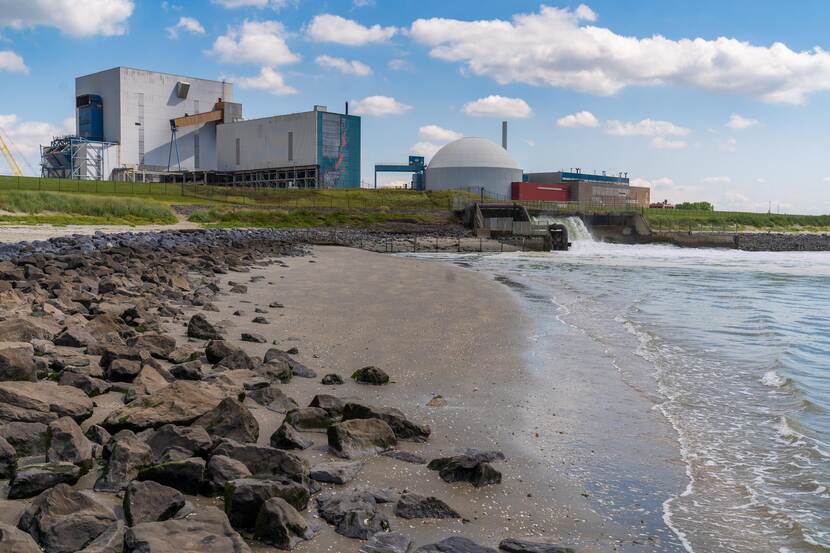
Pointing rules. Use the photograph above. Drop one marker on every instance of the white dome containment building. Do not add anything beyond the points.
(473, 163)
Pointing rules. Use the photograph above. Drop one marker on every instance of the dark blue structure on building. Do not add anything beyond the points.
(90, 117)
(416, 166)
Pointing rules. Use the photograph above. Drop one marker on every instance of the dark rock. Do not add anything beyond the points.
(17, 364)
(287, 437)
(42, 401)
(75, 336)
(273, 398)
(200, 328)
(89, 385)
(275, 305)
(370, 375)
(309, 419)
(265, 461)
(279, 524)
(28, 438)
(387, 542)
(353, 514)
(98, 434)
(124, 370)
(230, 419)
(8, 462)
(13, 540)
(237, 360)
(150, 502)
(331, 404)
(254, 338)
(406, 457)
(332, 380)
(159, 345)
(66, 442)
(275, 370)
(220, 471)
(206, 530)
(336, 472)
(26, 329)
(114, 352)
(110, 540)
(524, 546)
(404, 428)
(192, 439)
(244, 498)
(261, 321)
(216, 350)
(190, 370)
(466, 468)
(412, 505)
(185, 475)
(31, 480)
(275, 355)
(181, 402)
(455, 544)
(126, 454)
(63, 520)
(360, 437)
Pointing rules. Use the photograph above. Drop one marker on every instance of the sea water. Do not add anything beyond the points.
(736, 347)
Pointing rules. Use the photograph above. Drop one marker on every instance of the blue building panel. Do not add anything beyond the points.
(338, 150)
(90, 117)
(593, 178)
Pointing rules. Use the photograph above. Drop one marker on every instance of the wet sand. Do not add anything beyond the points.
(437, 330)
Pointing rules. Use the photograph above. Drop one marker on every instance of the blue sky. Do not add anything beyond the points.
(719, 101)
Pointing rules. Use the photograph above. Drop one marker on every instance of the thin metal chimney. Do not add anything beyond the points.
(347, 108)
(504, 134)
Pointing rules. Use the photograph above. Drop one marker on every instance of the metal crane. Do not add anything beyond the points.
(215, 116)
(4, 149)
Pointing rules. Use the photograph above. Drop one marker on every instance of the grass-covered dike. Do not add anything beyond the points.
(730, 221)
(31, 207)
(302, 218)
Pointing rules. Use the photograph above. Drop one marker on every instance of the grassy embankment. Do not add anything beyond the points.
(28, 207)
(728, 221)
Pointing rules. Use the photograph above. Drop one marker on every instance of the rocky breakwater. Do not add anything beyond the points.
(111, 427)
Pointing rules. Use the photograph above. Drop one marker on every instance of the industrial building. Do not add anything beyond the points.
(133, 124)
(576, 186)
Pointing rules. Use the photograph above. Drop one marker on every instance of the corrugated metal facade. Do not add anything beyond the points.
(538, 192)
(264, 143)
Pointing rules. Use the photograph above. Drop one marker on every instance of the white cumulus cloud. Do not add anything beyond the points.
(438, 134)
(345, 66)
(12, 62)
(260, 42)
(560, 48)
(728, 145)
(578, 119)
(660, 143)
(498, 106)
(268, 80)
(379, 106)
(77, 18)
(26, 137)
(738, 122)
(187, 24)
(646, 127)
(425, 148)
(339, 30)
(720, 179)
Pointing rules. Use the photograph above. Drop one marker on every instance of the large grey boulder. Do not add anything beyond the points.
(31, 480)
(455, 544)
(158, 345)
(42, 401)
(360, 438)
(126, 454)
(206, 530)
(63, 520)
(221, 470)
(13, 540)
(264, 461)
(336, 472)
(8, 459)
(17, 364)
(110, 540)
(200, 328)
(370, 375)
(287, 437)
(353, 514)
(473, 467)
(273, 398)
(230, 419)
(276, 356)
(244, 498)
(182, 402)
(309, 419)
(513, 545)
(28, 438)
(404, 428)
(67, 443)
(151, 502)
(333, 405)
(192, 439)
(185, 475)
(90, 385)
(279, 524)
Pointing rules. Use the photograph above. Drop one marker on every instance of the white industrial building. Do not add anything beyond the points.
(473, 164)
(162, 126)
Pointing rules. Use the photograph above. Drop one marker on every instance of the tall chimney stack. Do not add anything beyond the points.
(347, 108)
(504, 134)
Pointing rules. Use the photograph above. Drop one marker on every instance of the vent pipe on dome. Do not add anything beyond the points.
(504, 134)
